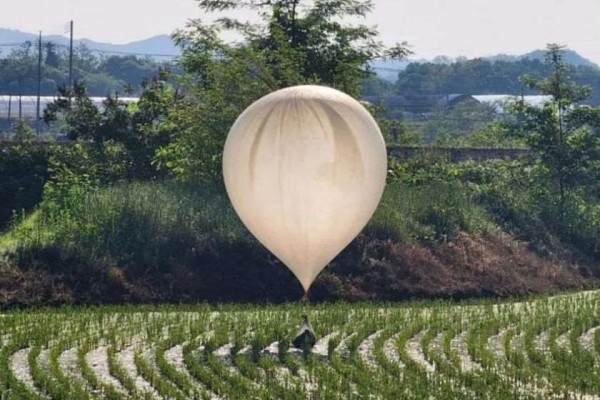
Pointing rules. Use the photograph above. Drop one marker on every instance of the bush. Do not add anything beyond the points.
(23, 173)
(138, 225)
(429, 214)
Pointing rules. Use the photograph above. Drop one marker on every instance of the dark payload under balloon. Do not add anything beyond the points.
(305, 337)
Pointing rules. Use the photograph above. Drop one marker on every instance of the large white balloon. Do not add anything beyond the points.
(305, 168)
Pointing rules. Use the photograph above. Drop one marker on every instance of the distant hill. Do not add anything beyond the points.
(157, 46)
(570, 56)
(162, 45)
(389, 69)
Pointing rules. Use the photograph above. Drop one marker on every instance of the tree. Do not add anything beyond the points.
(118, 133)
(456, 124)
(129, 69)
(564, 135)
(103, 75)
(52, 57)
(297, 42)
(81, 116)
(22, 132)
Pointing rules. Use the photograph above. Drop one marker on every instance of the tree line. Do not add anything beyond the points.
(479, 76)
(102, 74)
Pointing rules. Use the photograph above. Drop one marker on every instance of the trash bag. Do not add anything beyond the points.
(305, 337)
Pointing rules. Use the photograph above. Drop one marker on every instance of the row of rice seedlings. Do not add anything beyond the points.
(571, 368)
(33, 340)
(202, 365)
(418, 381)
(12, 386)
(178, 378)
(120, 373)
(255, 373)
(148, 371)
(87, 372)
(14, 339)
(321, 377)
(200, 372)
(528, 365)
(486, 377)
(494, 379)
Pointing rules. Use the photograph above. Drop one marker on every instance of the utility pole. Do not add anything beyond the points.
(39, 87)
(71, 58)
(9, 115)
(20, 99)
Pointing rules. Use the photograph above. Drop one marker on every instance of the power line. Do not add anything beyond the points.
(71, 56)
(131, 53)
(12, 44)
(386, 69)
(102, 51)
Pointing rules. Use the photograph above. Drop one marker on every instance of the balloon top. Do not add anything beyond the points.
(309, 92)
(303, 94)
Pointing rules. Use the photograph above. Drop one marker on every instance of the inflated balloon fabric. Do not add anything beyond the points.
(305, 168)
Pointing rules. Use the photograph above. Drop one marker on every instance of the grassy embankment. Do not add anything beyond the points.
(152, 242)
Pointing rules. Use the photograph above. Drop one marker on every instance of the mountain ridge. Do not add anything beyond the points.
(162, 46)
(389, 69)
(155, 46)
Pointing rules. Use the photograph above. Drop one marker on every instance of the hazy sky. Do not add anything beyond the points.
(432, 27)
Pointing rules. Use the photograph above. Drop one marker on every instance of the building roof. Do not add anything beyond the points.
(28, 105)
(426, 103)
(418, 103)
(499, 100)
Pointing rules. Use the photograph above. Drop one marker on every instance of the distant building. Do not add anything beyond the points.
(499, 100)
(14, 108)
(25, 107)
(412, 104)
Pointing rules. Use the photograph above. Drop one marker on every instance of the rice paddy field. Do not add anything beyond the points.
(541, 348)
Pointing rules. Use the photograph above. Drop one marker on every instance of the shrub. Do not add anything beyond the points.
(23, 172)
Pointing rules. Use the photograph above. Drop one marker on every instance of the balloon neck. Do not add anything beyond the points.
(304, 298)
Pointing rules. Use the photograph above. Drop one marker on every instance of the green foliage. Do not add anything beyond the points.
(517, 196)
(457, 124)
(23, 172)
(521, 197)
(393, 128)
(563, 134)
(81, 116)
(149, 225)
(296, 42)
(131, 70)
(137, 225)
(410, 350)
(494, 135)
(22, 132)
(431, 213)
(19, 70)
(480, 76)
(121, 139)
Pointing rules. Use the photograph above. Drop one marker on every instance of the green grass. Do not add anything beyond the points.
(522, 366)
(150, 224)
(131, 225)
(428, 213)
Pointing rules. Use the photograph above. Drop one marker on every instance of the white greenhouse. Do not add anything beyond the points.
(26, 107)
(499, 100)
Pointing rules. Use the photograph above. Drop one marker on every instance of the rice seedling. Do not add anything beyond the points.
(536, 348)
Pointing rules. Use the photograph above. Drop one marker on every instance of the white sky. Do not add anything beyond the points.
(433, 27)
